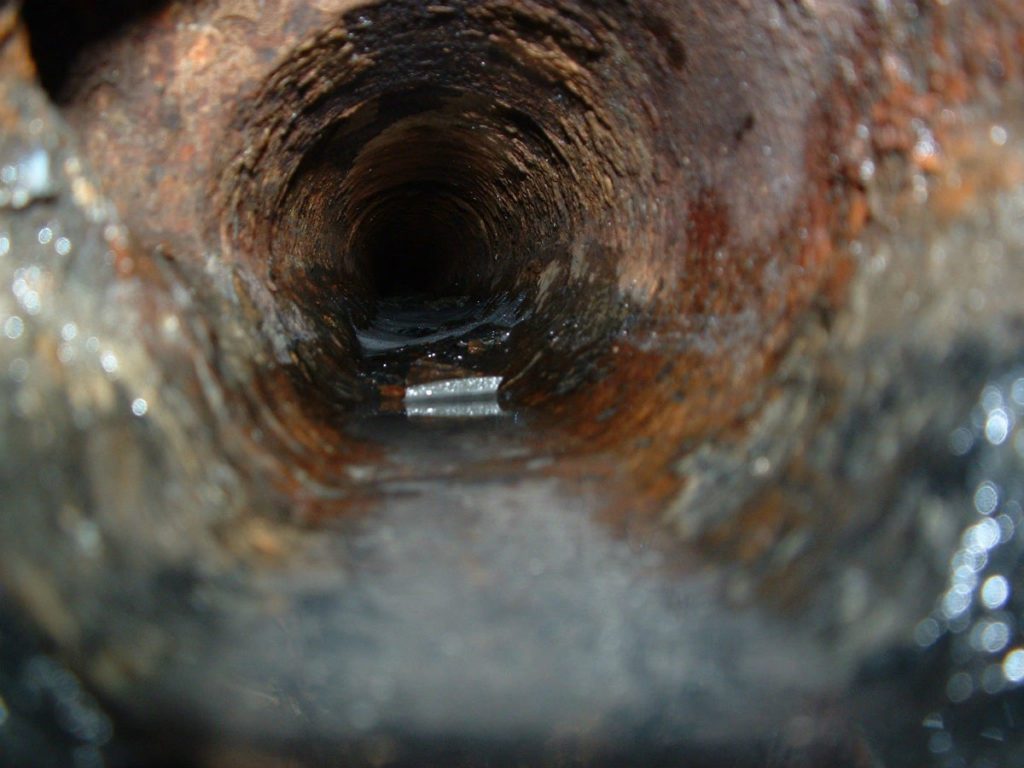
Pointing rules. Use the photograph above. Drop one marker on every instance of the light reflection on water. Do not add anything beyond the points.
(979, 619)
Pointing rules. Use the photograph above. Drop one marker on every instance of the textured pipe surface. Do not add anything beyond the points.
(749, 274)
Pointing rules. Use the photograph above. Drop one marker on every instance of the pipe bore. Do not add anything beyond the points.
(558, 167)
(512, 382)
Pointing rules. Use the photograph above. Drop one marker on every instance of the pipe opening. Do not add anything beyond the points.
(597, 209)
(434, 225)
(416, 247)
(427, 220)
(614, 219)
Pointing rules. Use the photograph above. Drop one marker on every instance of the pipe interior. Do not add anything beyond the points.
(596, 206)
(443, 187)
(420, 204)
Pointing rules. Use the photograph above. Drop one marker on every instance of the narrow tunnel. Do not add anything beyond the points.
(503, 383)
(409, 186)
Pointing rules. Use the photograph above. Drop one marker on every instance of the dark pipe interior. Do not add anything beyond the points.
(419, 223)
(63, 29)
(437, 202)
(412, 246)
(413, 212)
(594, 202)
(586, 177)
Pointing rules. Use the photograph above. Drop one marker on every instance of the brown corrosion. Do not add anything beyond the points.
(612, 183)
(674, 197)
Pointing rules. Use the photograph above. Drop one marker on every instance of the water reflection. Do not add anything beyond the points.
(979, 621)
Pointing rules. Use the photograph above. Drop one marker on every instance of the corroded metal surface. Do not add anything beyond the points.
(752, 493)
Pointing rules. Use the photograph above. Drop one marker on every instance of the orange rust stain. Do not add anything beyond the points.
(857, 214)
(203, 51)
(391, 391)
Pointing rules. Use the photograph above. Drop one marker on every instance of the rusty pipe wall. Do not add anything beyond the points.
(763, 474)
